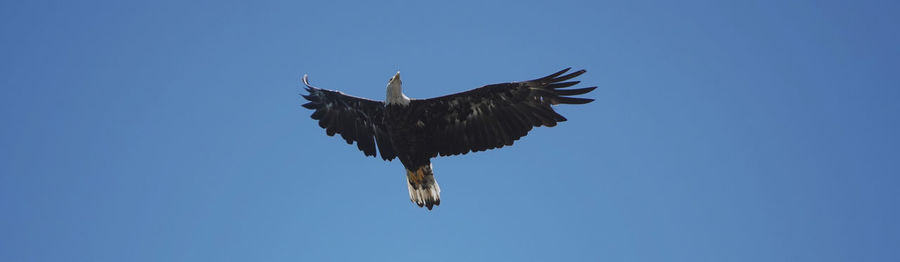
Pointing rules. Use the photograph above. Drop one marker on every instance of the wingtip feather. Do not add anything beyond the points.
(564, 84)
(305, 79)
(576, 91)
(574, 100)
(569, 76)
(554, 75)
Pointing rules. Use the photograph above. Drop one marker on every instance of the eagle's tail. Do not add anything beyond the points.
(423, 189)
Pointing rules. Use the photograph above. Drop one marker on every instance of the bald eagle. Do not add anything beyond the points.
(417, 130)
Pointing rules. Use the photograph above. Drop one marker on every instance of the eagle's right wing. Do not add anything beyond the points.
(496, 115)
(356, 119)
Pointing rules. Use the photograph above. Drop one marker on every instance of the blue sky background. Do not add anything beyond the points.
(172, 131)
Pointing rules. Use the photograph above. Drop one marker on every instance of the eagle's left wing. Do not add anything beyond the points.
(495, 115)
(356, 119)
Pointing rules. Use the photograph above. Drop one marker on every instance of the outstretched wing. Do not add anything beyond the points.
(496, 115)
(356, 119)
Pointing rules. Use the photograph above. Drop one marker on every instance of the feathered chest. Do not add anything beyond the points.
(404, 116)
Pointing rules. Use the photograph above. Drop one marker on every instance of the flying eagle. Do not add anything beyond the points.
(416, 130)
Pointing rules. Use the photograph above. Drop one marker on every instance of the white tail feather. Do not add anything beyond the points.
(423, 189)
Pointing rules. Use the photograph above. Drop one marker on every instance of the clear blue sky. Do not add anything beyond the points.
(172, 131)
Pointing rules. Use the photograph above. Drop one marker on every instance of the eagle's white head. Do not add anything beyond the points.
(395, 92)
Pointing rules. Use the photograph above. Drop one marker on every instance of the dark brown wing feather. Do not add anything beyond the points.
(496, 115)
(356, 119)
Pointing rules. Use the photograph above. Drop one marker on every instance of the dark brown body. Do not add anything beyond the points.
(407, 130)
